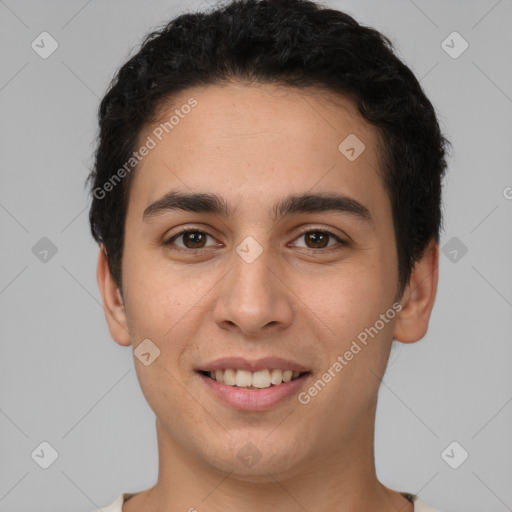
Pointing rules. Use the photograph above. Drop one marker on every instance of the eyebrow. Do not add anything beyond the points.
(216, 205)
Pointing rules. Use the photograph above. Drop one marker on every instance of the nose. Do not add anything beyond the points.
(254, 297)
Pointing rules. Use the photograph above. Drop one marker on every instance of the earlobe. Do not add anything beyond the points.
(113, 304)
(418, 298)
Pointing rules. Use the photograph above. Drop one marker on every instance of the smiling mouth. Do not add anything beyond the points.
(253, 380)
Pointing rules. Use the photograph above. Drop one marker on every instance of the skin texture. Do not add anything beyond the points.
(254, 145)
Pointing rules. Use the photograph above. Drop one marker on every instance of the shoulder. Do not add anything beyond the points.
(420, 506)
(117, 506)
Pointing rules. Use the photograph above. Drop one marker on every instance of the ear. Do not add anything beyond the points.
(418, 298)
(113, 304)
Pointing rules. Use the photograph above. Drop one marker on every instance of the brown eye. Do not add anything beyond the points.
(318, 239)
(195, 238)
(191, 239)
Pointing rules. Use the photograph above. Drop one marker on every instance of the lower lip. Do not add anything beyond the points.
(244, 399)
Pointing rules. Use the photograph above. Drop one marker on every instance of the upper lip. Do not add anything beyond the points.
(264, 363)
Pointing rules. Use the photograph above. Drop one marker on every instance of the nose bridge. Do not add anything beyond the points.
(252, 296)
(251, 279)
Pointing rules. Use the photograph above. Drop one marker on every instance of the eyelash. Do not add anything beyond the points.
(169, 242)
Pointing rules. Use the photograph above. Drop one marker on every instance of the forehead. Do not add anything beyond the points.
(255, 141)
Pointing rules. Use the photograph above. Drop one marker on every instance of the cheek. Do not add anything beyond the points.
(154, 297)
(159, 315)
(156, 310)
(353, 297)
(356, 306)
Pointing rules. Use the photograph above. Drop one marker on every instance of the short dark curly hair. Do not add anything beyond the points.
(296, 43)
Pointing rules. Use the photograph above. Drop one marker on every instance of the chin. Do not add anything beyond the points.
(257, 461)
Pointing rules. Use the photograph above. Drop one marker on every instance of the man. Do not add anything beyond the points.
(266, 196)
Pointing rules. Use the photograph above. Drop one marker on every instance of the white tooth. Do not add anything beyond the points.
(261, 379)
(277, 377)
(243, 378)
(287, 376)
(229, 377)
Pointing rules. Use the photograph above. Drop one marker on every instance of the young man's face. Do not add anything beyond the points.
(251, 285)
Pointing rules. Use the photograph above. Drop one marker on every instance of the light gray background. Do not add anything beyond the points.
(64, 381)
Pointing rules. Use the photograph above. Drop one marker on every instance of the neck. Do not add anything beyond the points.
(343, 480)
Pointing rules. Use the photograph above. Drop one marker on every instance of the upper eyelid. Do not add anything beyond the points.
(303, 231)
